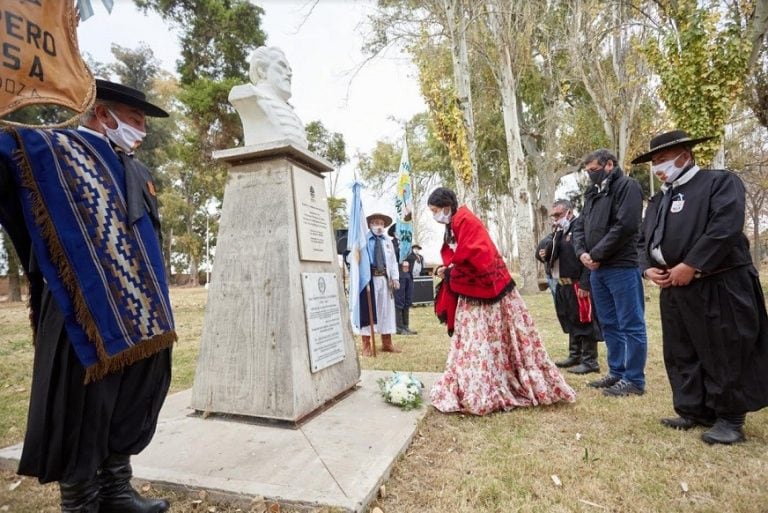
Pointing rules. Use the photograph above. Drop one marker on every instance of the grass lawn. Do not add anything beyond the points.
(598, 455)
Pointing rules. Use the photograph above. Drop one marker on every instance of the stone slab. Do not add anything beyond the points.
(338, 458)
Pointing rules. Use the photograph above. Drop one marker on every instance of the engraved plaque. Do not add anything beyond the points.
(323, 315)
(313, 222)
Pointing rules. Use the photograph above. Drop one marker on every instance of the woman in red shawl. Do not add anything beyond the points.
(496, 361)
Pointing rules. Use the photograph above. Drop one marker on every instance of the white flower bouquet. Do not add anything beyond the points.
(402, 390)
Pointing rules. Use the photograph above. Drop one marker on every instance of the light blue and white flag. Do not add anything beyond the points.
(359, 260)
(86, 9)
(404, 205)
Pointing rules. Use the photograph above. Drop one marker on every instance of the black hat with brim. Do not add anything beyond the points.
(668, 140)
(111, 91)
(416, 246)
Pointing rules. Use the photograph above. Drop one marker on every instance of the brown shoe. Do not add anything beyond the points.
(367, 348)
(387, 346)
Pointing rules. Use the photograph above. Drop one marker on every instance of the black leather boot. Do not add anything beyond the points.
(727, 430)
(588, 357)
(574, 353)
(117, 495)
(82, 497)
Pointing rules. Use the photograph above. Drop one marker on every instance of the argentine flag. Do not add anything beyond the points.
(359, 261)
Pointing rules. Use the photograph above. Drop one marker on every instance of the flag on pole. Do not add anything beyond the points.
(86, 9)
(359, 261)
(404, 205)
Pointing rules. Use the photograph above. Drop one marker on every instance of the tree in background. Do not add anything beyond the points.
(430, 163)
(701, 56)
(435, 33)
(746, 150)
(216, 38)
(13, 268)
(332, 147)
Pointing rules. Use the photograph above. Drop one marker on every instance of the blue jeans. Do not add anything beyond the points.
(620, 303)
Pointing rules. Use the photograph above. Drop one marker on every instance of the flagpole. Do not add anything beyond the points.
(370, 318)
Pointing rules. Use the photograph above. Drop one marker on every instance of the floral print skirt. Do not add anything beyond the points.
(497, 361)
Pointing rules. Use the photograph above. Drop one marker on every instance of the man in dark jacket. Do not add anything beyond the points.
(713, 317)
(102, 367)
(606, 243)
(572, 298)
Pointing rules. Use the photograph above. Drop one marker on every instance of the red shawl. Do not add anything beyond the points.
(477, 270)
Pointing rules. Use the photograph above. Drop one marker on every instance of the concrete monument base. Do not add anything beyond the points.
(277, 342)
(339, 458)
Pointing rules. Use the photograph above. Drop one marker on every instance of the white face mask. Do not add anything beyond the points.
(377, 230)
(125, 136)
(668, 169)
(563, 223)
(442, 217)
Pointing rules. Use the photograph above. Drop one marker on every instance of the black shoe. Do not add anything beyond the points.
(683, 423)
(401, 332)
(568, 362)
(118, 496)
(623, 389)
(583, 369)
(409, 331)
(724, 432)
(606, 381)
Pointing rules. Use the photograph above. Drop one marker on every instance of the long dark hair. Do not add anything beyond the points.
(443, 197)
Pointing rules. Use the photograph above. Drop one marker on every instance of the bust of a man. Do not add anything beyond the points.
(263, 104)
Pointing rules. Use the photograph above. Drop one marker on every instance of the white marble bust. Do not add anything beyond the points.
(263, 104)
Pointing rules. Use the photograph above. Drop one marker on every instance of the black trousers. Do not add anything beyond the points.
(715, 333)
(567, 309)
(72, 427)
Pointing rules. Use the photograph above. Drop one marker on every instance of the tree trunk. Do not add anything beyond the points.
(14, 270)
(456, 19)
(756, 237)
(193, 260)
(520, 195)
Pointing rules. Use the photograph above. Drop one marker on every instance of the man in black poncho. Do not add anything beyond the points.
(82, 214)
(713, 316)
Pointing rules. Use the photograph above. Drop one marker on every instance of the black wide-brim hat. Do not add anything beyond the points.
(416, 246)
(111, 91)
(668, 140)
(384, 217)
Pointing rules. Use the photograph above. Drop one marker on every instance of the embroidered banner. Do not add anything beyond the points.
(40, 60)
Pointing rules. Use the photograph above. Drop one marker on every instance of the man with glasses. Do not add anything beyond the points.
(606, 239)
(572, 298)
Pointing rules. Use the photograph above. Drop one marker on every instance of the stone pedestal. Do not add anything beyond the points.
(254, 356)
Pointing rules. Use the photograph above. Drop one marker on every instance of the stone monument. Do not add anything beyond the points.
(277, 342)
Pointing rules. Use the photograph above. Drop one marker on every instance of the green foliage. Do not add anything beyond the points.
(701, 58)
(216, 35)
(438, 91)
(339, 212)
(330, 146)
(135, 68)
